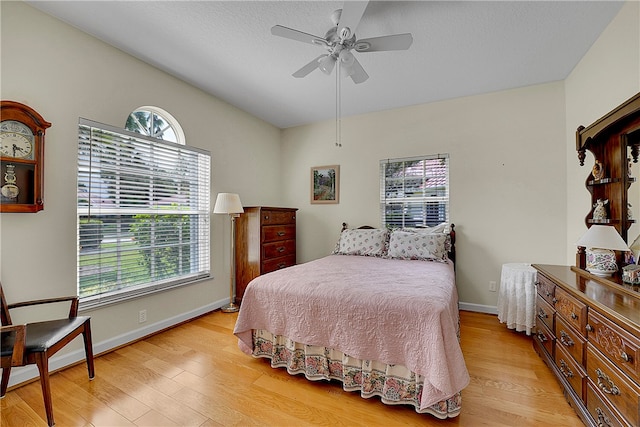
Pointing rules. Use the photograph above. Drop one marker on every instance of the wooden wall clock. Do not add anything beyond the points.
(22, 132)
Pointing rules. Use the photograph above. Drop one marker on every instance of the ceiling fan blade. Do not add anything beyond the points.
(358, 75)
(290, 33)
(351, 15)
(377, 44)
(302, 72)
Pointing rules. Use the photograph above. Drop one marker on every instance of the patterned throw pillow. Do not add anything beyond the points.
(369, 242)
(420, 246)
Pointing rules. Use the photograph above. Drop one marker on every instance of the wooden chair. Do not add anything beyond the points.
(35, 343)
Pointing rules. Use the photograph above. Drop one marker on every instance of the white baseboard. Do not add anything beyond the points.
(489, 309)
(23, 374)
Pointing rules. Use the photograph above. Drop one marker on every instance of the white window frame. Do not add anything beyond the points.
(158, 185)
(414, 191)
(155, 113)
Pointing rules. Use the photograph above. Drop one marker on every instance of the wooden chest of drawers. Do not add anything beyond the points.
(265, 241)
(588, 333)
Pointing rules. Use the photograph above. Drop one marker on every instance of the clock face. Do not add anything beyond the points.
(16, 140)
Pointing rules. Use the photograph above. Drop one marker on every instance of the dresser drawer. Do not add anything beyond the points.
(544, 336)
(278, 263)
(571, 371)
(546, 288)
(615, 343)
(600, 411)
(571, 310)
(571, 341)
(272, 233)
(616, 388)
(545, 312)
(273, 217)
(278, 249)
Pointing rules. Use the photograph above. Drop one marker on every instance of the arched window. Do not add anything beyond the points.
(155, 123)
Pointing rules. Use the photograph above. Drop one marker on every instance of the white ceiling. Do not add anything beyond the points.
(459, 48)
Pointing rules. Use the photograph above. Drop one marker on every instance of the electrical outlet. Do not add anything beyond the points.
(142, 316)
(493, 286)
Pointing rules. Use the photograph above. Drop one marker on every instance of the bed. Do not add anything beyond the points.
(380, 315)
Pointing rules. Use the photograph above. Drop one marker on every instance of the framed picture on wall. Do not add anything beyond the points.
(325, 184)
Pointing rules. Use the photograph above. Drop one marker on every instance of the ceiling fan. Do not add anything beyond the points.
(341, 39)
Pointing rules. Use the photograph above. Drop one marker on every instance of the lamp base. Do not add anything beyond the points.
(601, 262)
(230, 308)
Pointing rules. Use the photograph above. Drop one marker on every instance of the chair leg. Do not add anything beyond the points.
(88, 348)
(5, 381)
(42, 360)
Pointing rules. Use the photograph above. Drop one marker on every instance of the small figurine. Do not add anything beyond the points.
(599, 210)
(598, 170)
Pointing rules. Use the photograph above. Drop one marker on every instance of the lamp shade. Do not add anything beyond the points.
(228, 203)
(635, 248)
(603, 237)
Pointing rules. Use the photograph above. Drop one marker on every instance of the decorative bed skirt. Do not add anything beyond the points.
(394, 384)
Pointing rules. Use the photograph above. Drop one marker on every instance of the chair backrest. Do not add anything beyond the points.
(4, 309)
(13, 337)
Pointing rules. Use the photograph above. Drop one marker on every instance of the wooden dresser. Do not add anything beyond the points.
(588, 332)
(265, 242)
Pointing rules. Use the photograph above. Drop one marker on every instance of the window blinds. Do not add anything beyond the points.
(143, 214)
(414, 192)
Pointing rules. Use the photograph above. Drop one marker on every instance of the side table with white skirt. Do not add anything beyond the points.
(517, 297)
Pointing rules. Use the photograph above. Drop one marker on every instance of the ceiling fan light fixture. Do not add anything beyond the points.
(346, 62)
(346, 58)
(326, 64)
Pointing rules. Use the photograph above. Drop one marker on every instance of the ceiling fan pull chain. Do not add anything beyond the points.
(338, 108)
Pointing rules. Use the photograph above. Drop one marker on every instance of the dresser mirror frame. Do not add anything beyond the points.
(614, 141)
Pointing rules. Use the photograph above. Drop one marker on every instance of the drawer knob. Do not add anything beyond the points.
(281, 233)
(542, 314)
(565, 339)
(555, 300)
(605, 384)
(624, 356)
(589, 328)
(541, 337)
(281, 249)
(282, 265)
(603, 420)
(564, 368)
(574, 316)
(266, 217)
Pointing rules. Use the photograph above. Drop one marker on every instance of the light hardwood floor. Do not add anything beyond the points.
(195, 375)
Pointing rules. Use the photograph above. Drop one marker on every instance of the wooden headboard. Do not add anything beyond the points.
(452, 234)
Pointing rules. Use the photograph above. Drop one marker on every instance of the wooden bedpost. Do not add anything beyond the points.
(452, 234)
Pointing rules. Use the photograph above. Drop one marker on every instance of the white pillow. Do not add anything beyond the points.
(420, 246)
(369, 242)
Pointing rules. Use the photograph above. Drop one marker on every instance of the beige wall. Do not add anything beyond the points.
(65, 74)
(607, 75)
(507, 188)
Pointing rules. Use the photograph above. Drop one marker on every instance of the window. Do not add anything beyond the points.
(414, 192)
(143, 214)
(154, 122)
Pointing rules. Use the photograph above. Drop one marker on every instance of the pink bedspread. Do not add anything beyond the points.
(393, 311)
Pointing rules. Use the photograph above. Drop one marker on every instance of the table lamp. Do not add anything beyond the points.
(601, 241)
(229, 203)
